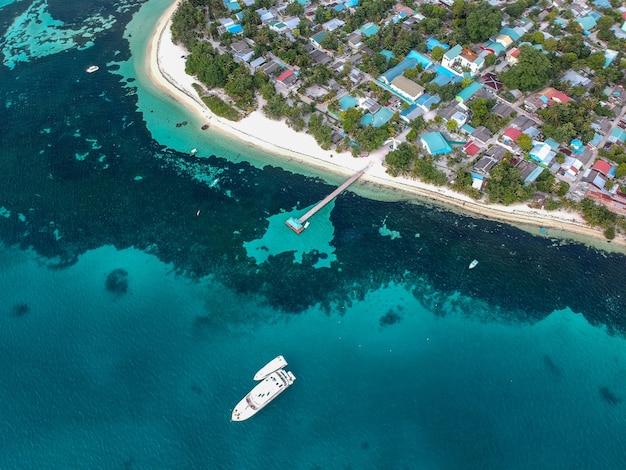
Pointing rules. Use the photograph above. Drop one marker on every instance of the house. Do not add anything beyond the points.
(542, 153)
(575, 78)
(398, 70)
(435, 143)
(354, 40)
(485, 164)
(288, 78)
(270, 68)
(265, 15)
(457, 57)
(511, 135)
(605, 168)
(333, 24)
(320, 57)
(587, 23)
(505, 40)
(617, 135)
(242, 52)
(594, 177)
(512, 56)
(316, 39)
(460, 118)
(496, 152)
(570, 168)
(471, 148)
(406, 88)
(369, 29)
(551, 95)
(502, 110)
(492, 81)
(481, 134)
(466, 93)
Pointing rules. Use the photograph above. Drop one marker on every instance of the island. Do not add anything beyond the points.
(522, 123)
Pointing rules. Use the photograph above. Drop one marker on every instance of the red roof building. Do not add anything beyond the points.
(602, 166)
(471, 148)
(511, 134)
(286, 74)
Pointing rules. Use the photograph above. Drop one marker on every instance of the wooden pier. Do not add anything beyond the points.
(298, 225)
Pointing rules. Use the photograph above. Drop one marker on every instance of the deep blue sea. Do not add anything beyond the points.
(131, 324)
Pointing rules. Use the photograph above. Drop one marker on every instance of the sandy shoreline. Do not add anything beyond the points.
(165, 65)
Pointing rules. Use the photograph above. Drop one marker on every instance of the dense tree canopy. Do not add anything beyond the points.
(483, 21)
(505, 185)
(565, 121)
(532, 71)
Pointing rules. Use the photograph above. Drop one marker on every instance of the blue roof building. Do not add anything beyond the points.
(381, 117)
(511, 32)
(587, 23)
(435, 143)
(617, 134)
(234, 28)
(398, 70)
(369, 29)
(432, 43)
(466, 93)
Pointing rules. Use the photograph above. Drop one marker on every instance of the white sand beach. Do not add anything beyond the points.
(166, 67)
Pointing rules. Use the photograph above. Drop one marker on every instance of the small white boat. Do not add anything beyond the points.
(277, 363)
(92, 68)
(473, 264)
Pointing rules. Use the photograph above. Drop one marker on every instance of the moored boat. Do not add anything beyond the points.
(273, 384)
(277, 363)
(473, 264)
(92, 68)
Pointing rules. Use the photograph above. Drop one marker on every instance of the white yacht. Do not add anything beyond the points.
(272, 384)
(92, 68)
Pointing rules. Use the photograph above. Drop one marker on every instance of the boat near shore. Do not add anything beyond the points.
(92, 68)
(274, 380)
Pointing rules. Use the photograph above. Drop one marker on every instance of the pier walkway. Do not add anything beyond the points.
(298, 225)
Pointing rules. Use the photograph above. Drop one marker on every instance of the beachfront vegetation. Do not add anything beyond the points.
(505, 185)
(597, 215)
(218, 106)
(406, 160)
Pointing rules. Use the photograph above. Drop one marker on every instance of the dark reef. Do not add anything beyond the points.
(389, 318)
(19, 310)
(117, 281)
(609, 397)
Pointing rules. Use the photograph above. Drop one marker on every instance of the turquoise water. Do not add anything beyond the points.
(143, 288)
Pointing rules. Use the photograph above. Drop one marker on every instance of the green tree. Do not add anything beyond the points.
(329, 42)
(532, 71)
(351, 119)
(620, 171)
(525, 142)
(596, 61)
(437, 53)
(402, 158)
(505, 185)
(482, 21)
(452, 125)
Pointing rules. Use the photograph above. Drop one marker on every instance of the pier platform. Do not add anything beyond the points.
(298, 225)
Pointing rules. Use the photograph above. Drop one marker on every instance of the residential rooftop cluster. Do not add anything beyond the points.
(497, 88)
